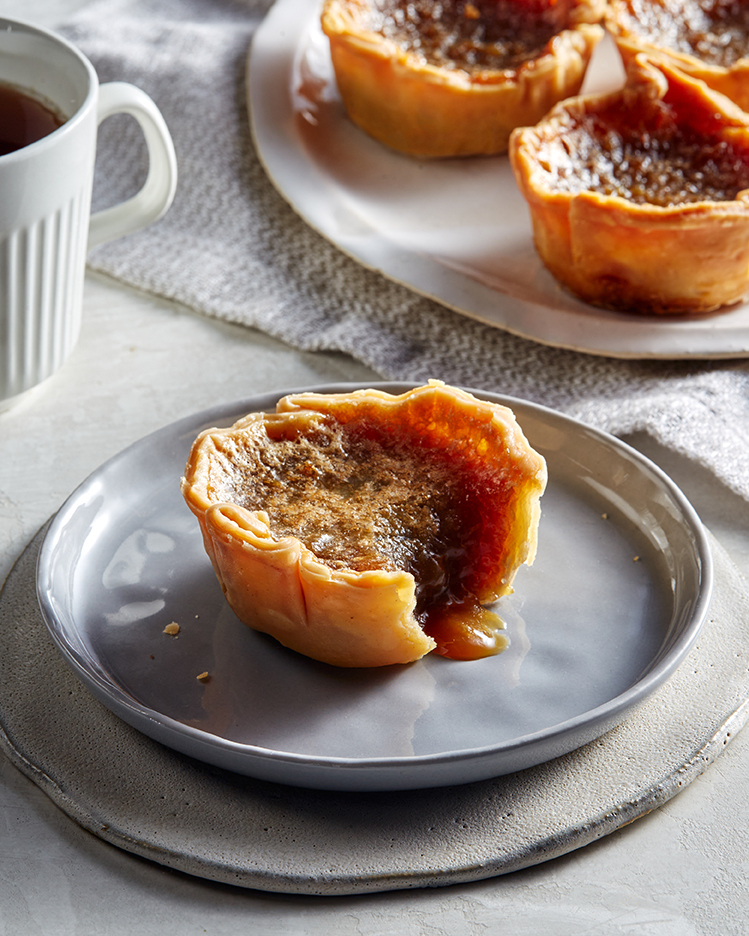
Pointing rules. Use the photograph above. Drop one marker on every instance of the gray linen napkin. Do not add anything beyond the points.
(231, 247)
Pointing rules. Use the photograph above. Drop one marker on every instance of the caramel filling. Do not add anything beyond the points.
(472, 35)
(366, 499)
(715, 31)
(664, 165)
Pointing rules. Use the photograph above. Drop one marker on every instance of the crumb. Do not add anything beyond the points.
(172, 629)
(604, 516)
(636, 559)
(203, 677)
(153, 657)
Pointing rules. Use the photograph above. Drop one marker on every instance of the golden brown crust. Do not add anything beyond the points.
(425, 110)
(640, 257)
(629, 24)
(337, 614)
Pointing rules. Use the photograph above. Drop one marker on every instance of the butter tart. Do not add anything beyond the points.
(639, 199)
(454, 77)
(365, 529)
(706, 39)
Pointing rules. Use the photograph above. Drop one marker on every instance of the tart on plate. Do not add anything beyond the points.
(706, 39)
(453, 78)
(366, 529)
(640, 199)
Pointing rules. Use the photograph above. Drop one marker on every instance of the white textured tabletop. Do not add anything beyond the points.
(142, 363)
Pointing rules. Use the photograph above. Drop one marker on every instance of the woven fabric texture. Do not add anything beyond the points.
(232, 248)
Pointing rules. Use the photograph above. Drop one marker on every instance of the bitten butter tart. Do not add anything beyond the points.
(366, 529)
(640, 199)
(437, 78)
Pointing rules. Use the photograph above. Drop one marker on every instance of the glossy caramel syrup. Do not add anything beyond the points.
(473, 35)
(644, 152)
(715, 31)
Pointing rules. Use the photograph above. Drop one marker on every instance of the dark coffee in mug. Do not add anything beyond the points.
(24, 119)
(46, 224)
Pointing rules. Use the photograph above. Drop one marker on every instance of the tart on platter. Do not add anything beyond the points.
(706, 39)
(453, 78)
(366, 529)
(639, 199)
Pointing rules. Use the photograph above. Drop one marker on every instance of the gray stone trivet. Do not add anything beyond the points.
(149, 800)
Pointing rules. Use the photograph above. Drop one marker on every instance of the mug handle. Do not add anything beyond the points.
(157, 194)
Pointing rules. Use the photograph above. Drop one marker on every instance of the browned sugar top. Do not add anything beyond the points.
(472, 35)
(715, 31)
(666, 167)
(359, 504)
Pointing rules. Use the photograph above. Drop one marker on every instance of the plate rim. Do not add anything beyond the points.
(647, 337)
(165, 726)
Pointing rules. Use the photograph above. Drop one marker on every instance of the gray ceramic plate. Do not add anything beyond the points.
(613, 603)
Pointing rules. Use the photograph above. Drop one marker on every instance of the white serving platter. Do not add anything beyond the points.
(455, 230)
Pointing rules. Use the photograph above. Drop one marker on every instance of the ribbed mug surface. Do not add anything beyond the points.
(41, 290)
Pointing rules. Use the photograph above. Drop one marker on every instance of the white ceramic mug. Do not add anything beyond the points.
(46, 226)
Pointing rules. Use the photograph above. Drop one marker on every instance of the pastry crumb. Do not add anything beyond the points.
(635, 559)
(203, 677)
(172, 629)
(604, 516)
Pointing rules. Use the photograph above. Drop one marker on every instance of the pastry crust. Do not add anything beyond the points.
(404, 100)
(690, 35)
(363, 611)
(684, 246)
